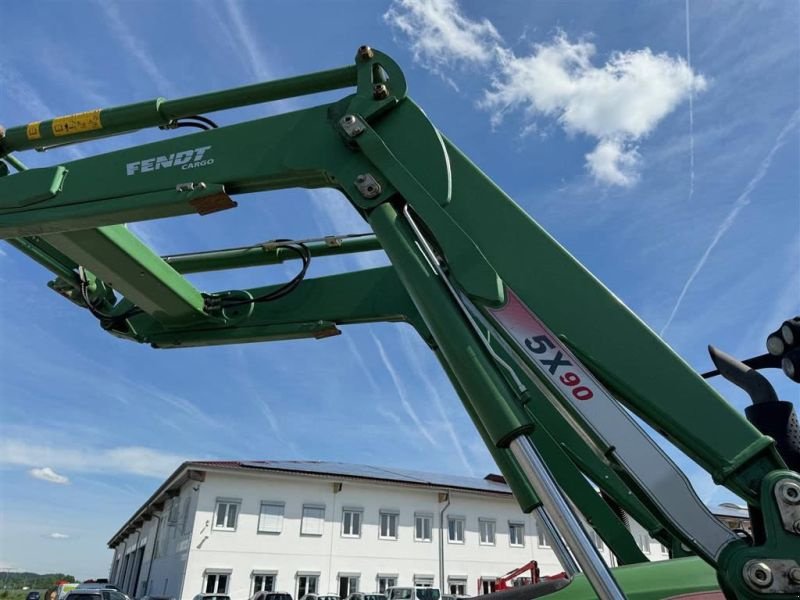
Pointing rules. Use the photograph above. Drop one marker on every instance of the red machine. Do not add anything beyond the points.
(507, 580)
(513, 579)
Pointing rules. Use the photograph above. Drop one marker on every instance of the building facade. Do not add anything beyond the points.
(301, 527)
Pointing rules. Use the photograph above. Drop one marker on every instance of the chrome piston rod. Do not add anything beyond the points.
(559, 547)
(565, 520)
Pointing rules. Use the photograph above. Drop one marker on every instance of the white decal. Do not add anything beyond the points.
(187, 159)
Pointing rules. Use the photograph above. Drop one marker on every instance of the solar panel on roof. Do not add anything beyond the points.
(382, 473)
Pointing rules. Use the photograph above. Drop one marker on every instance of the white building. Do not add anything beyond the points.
(240, 527)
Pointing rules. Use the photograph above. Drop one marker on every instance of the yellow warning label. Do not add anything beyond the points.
(33, 131)
(84, 121)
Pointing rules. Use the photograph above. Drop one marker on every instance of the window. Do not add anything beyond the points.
(516, 534)
(388, 525)
(123, 574)
(423, 524)
(385, 582)
(487, 585)
(351, 523)
(544, 539)
(225, 515)
(487, 529)
(306, 584)
(457, 585)
(347, 584)
(162, 542)
(644, 543)
(313, 520)
(113, 576)
(598, 543)
(270, 517)
(455, 530)
(263, 582)
(185, 527)
(423, 580)
(172, 517)
(216, 583)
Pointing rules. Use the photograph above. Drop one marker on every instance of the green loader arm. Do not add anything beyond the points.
(548, 363)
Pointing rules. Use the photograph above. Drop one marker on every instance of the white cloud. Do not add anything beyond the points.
(614, 163)
(133, 460)
(58, 536)
(617, 103)
(440, 34)
(48, 474)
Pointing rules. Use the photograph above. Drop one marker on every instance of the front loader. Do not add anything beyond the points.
(551, 367)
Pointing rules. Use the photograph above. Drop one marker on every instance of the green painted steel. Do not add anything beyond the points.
(523, 492)
(651, 581)
(32, 187)
(69, 217)
(158, 111)
(498, 410)
(47, 256)
(314, 310)
(597, 513)
(267, 253)
(126, 264)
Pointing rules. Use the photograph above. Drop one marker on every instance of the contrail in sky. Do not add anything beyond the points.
(691, 104)
(742, 201)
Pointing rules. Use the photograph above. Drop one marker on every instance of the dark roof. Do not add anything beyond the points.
(386, 474)
(490, 484)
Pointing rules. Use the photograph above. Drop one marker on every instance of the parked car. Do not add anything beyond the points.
(272, 596)
(320, 597)
(211, 597)
(97, 585)
(413, 593)
(366, 596)
(32, 596)
(95, 594)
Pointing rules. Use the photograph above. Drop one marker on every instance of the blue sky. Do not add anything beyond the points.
(671, 174)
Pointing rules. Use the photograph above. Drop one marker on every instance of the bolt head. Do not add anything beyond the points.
(794, 575)
(759, 574)
(365, 53)
(790, 492)
(380, 91)
(349, 119)
(361, 179)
